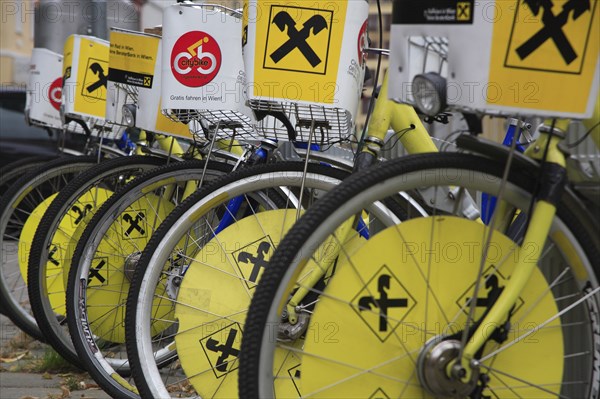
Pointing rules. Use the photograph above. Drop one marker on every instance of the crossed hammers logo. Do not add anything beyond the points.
(258, 262)
(553, 25)
(297, 38)
(134, 223)
(102, 78)
(383, 303)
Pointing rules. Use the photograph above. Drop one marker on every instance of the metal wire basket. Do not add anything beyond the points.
(326, 98)
(327, 124)
(433, 50)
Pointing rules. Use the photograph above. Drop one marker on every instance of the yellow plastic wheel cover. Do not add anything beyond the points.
(214, 297)
(108, 285)
(372, 351)
(63, 242)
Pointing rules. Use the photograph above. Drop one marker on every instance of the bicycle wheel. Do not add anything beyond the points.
(16, 206)
(193, 283)
(56, 236)
(15, 170)
(393, 314)
(99, 280)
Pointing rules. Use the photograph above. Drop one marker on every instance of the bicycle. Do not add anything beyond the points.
(458, 308)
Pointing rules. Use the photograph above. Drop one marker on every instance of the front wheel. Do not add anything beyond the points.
(394, 314)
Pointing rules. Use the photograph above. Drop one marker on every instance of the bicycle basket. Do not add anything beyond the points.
(44, 89)
(497, 63)
(85, 80)
(202, 72)
(307, 60)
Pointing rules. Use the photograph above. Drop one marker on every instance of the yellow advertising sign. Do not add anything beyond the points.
(92, 78)
(545, 53)
(298, 50)
(132, 58)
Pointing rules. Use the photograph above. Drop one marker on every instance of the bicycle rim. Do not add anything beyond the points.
(56, 237)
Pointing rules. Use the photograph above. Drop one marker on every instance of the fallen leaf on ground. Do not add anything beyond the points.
(65, 391)
(91, 386)
(12, 359)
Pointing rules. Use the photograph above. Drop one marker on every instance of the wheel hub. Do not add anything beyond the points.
(131, 263)
(433, 363)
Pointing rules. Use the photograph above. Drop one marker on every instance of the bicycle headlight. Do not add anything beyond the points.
(429, 92)
(129, 111)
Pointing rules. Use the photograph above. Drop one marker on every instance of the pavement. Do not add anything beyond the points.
(30, 370)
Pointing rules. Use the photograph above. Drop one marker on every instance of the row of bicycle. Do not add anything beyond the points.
(379, 273)
(443, 274)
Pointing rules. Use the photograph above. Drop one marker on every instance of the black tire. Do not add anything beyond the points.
(14, 170)
(353, 194)
(15, 206)
(106, 218)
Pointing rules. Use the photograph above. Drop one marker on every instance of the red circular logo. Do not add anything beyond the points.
(195, 59)
(55, 93)
(363, 43)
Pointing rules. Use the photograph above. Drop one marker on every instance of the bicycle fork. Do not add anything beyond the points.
(553, 180)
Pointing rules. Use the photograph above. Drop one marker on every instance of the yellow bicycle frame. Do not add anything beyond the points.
(399, 117)
(535, 237)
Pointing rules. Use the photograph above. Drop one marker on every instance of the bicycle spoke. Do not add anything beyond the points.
(541, 325)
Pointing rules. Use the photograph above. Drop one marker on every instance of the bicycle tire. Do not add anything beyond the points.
(58, 229)
(256, 361)
(15, 206)
(248, 182)
(99, 363)
(14, 170)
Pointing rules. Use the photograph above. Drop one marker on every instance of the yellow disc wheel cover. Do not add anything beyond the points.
(369, 350)
(63, 242)
(214, 297)
(108, 282)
